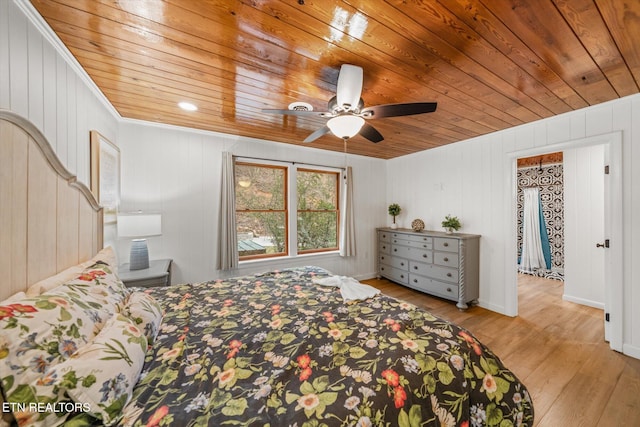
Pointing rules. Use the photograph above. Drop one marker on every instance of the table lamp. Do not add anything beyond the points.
(139, 225)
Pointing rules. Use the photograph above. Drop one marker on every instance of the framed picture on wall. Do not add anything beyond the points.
(105, 175)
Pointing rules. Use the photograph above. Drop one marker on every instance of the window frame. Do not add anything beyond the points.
(291, 206)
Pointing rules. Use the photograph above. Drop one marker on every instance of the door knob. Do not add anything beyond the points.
(603, 245)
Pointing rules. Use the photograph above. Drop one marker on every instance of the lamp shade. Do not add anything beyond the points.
(345, 126)
(139, 224)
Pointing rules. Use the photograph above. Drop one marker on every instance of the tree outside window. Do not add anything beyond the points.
(318, 213)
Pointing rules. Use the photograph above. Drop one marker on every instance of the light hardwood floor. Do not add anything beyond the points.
(556, 348)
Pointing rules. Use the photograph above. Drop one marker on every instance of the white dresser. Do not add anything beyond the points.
(440, 264)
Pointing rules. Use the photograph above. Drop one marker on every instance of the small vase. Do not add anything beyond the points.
(449, 230)
(394, 226)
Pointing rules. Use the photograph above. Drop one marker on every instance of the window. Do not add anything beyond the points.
(265, 226)
(261, 210)
(317, 210)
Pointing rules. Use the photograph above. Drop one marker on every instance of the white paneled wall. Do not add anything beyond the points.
(38, 82)
(473, 179)
(177, 172)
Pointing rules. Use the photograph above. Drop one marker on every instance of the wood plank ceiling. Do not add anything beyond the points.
(490, 64)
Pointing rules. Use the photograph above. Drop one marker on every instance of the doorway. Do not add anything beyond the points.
(613, 300)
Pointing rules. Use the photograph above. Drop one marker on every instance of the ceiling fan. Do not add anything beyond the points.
(346, 113)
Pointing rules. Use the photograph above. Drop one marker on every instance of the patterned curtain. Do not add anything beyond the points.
(228, 250)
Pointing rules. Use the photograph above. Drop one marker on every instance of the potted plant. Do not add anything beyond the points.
(451, 224)
(394, 211)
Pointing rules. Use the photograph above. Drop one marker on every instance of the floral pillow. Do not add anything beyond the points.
(145, 311)
(35, 334)
(99, 283)
(38, 332)
(102, 374)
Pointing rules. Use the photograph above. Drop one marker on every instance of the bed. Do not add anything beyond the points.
(278, 348)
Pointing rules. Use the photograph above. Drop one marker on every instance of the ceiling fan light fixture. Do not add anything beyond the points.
(346, 126)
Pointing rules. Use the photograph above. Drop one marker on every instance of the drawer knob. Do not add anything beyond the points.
(448, 274)
(395, 250)
(445, 244)
(446, 259)
(425, 256)
(415, 267)
(402, 276)
(381, 257)
(448, 289)
(382, 268)
(415, 280)
(402, 264)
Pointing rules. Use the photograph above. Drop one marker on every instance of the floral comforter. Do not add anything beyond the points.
(277, 350)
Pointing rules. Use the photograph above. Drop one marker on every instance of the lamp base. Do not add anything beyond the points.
(139, 256)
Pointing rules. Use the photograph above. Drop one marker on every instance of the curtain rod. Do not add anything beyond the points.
(287, 161)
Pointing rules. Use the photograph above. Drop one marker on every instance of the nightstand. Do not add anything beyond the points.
(158, 274)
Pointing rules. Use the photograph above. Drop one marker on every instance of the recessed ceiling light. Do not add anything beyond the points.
(187, 106)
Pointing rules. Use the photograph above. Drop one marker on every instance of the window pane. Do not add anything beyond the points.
(317, 230)
(317, 190)
(261, 233)
(260, 187)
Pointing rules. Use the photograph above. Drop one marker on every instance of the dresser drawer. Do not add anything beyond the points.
(400, 263)
(448, 259)
(419, 238)
(412, 253)
(445, 290)
(434, 271)
(444, 244)
(399, 276)
(400, 241)
(384, 236)
(385, 259)
(423, 244)
(384, 247)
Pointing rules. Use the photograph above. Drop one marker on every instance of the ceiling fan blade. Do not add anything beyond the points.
(395, 110)
(349, 86)
(304, 113)
(317, 134)
(370, 133)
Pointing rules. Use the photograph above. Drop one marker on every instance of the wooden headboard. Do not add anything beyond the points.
(48, 220)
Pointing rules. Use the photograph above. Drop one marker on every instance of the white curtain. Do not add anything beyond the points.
(532, 256)
(227, 237)
(347, 229)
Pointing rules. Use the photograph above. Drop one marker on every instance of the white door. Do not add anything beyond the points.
(584, 225)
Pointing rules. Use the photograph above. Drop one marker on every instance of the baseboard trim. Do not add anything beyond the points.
(631, 350)
(583, 301)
